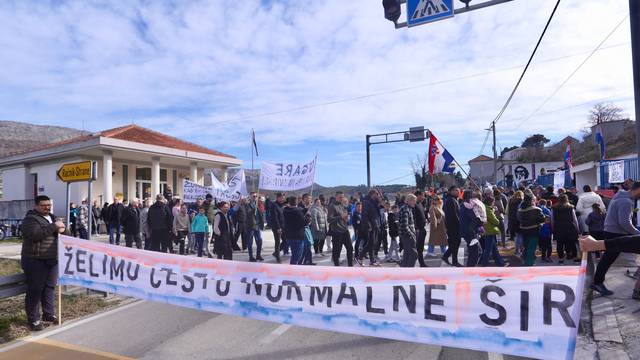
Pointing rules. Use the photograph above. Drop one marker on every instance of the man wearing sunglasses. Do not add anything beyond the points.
(40, 229)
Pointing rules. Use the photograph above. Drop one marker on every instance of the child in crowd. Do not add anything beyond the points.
(200, 228)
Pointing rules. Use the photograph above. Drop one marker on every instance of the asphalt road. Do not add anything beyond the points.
(147, 330)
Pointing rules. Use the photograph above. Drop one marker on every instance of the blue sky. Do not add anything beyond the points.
(210, 71)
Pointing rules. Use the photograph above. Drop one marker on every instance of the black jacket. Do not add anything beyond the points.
(370, 214)
(393, 225)
(294, 223)
(159, 217)
(452, 216)
(419, 217)
(116, 212)
(131, 220)
(276, 217)
(40, 237)
(531, 219)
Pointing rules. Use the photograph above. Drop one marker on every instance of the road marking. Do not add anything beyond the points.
(494, 356)
(275, 334)
(25, 341)
(82, 349)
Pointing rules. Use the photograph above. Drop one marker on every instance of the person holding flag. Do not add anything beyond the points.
(600, 141)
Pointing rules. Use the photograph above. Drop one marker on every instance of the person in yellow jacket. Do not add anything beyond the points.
(489, 239)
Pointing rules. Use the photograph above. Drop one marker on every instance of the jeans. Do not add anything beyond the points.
(393, 250)
(276, 238)
(199, 242)
(382, 242)
(474, 253)
(421, 237)
(432, 248)
(452, 251)
(307, 257)
(519, 242)
(545, 246)
(42, 277)
(490, 250)
(530, 245)
(338, 241)
(83, 233)
(117, 229)
(296, 251)
(257, 235)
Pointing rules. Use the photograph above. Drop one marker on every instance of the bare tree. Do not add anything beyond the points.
(604, 112)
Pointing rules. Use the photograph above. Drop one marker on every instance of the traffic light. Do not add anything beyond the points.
(466, 2)
(392, 10)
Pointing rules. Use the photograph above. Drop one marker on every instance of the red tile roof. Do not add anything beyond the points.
(481, 158)
(134, 133)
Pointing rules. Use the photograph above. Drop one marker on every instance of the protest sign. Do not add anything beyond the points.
(235, 190)
(526, 311)
(616, 172)
(287, 176)
(559, 178)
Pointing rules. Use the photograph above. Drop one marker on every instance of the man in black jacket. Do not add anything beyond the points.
(420, 221)
(115, 213)
(276, 222)
(131, 223)
(370, 226)
(452, 222)
(39, 261)
(160, 222)
(338, 216)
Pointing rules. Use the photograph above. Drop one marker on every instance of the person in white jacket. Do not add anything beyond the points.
(585, 206)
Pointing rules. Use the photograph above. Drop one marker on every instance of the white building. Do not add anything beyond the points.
(137, 162)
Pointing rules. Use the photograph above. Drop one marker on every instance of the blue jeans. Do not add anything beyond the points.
(199, 242)
(117, 229)
(431, 249)
(296, 251)
(254, 234)
(307, 257)
(490, 250)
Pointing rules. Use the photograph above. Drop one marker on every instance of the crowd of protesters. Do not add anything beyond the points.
(408, 229)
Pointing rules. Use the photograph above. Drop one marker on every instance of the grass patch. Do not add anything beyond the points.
(12, 240)
(13, 319)
(9, 267)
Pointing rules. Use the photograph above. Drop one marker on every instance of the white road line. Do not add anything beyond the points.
(494, 356)
(275, 334)
(28, 339)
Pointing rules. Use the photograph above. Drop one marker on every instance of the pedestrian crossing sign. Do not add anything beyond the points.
(424, 11)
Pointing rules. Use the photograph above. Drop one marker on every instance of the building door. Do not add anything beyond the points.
(143, 182)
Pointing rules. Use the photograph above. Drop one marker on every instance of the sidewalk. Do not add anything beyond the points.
(612, 321)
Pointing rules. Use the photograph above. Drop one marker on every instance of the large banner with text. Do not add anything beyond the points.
(287, 176)
(233, 191)
(528, 311)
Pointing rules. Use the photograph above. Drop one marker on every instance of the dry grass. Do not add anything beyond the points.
(9, 267)
(13, 319)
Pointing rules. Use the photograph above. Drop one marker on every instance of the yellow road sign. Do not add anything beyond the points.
(79, 171)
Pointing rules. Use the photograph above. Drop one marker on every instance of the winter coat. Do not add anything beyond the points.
(437, 228)
(595, 221)
(181, 222)
(585, 206)
(393, 225)
(492, 226)
(40, 237)
(144, 225)
(115, 212)
(530, 219)
(406, 223)
(159, 217)
(370, 214)
(82, 219)
(294, 223)
(470, 223)
(318, 222)
(131, 220)
(276, 217)
(420, 217)
(619, 215)
(512, 215)
(545, 230)
(564, 222)
(452, 217)
(337, 224)
(200, 224)
(223, 228)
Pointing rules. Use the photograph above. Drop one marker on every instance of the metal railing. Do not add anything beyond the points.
(12, 285)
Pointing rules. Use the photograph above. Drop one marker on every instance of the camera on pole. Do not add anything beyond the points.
(392, 10)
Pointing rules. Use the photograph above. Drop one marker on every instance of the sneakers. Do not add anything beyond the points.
(252, 259)
(50, 318)
(601, 289)
(259, 258)
(36, 326)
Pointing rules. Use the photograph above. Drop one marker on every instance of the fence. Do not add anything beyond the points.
(12, 285)
(631, 171)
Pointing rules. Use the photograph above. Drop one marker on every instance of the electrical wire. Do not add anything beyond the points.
(535, 50)
(573, 72)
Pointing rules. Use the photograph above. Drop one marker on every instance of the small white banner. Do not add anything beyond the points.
(287, 176)
(558, 180)
(236, 189)
(616, 172)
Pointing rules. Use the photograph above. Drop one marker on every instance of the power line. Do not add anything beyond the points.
(395, 179)
(513, 92)
(573, 72)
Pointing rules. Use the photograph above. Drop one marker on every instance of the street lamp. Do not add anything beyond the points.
(392, 10)
(466, 2)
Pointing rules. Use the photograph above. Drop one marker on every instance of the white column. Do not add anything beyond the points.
(225, 177)
(155, 177)
(107, 168)
(193, 167)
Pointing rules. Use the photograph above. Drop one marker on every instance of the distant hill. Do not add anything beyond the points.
(19, 137)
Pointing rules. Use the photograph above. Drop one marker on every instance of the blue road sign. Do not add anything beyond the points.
(424, 11)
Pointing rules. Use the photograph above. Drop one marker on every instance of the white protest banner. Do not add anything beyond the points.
(525, 311)
(558, 180)
(616, 172)
(286, 176)
(192, 191)
(236, 189)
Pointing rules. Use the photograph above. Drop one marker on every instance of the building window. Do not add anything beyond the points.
(143, 174)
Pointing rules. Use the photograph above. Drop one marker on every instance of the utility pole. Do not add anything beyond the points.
(634, 19)
(495, 155)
